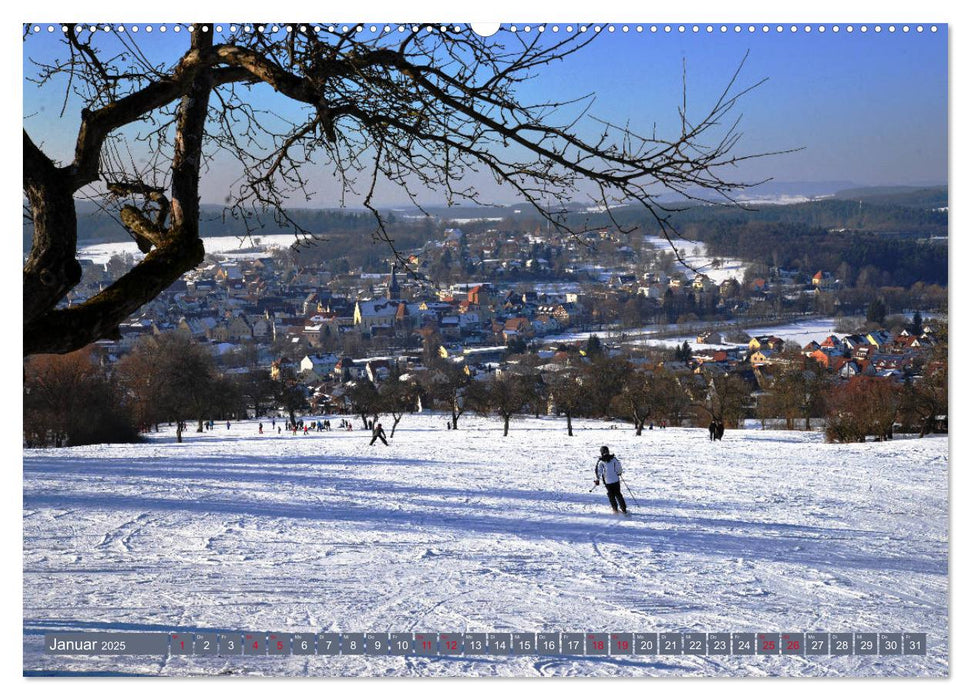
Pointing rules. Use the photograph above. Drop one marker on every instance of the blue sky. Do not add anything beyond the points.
(865, 107)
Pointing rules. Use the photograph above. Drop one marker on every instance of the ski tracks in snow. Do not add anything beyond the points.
(120, 537)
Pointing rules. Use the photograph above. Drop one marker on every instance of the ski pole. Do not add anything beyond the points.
(629, 492)
(597, 482)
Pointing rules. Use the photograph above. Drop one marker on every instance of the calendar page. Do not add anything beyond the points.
(515, 350)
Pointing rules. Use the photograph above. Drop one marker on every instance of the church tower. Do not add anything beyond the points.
(394, 291)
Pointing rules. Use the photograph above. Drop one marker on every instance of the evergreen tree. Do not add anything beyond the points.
(917, 324)
(876, 312)
(594, 346)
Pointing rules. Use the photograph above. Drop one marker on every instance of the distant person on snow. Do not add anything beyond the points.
(712, 430)
(719, 430)
(608, 470)
(378, 434)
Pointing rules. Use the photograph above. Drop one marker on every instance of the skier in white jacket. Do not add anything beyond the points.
(608, 470)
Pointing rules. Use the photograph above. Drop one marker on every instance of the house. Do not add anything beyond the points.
(375, 312)
(850, 368)
(703, 283)
(709, 338)
(283, 368)
(261, 328)
(545, 323)
(906, 340)
(454, 237)
(231, 331)
(823, 280)
(480, 295)
(898, 363)
(448, 327)
(199, 328)
(319, 365)
(769, 342)
(316, 330)
(377, 370)
(310, 303)
(517, 327)
(853, 341)
(229, 273)
(880, 338)
(762, 356)
(438, 308)
(827, 359)
(347, 369)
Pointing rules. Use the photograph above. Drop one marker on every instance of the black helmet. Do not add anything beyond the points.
(604, 451)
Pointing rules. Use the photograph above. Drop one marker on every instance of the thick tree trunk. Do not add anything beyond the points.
(505, 426)
(52, 270)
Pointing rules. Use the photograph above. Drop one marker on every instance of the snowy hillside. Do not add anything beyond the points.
(700, 262)
(464, 531)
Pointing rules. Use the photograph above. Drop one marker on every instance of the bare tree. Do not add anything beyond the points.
(605, 379)
(420, 109)
(860, 407)
(446, 383)
(290, 393)
(175, 373)
(727, 397)
(644, 395)
(569, 395)
(505, 395)
(69, 399)
(365, 401)
(397, 398)
(258, 388)
(138, 375)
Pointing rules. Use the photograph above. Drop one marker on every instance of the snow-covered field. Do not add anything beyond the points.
(801, 332)
(729, 268)
(465, 531)
(227, 246)
(797, 332)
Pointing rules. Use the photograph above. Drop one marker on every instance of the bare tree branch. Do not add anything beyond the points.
(422, 110)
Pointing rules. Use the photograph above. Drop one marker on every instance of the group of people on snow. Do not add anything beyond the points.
(607, 470)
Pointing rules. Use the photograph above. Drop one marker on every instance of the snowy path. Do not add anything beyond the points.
(468, 532)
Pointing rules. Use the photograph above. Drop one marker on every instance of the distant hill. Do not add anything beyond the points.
(914, 197)
(97, 226)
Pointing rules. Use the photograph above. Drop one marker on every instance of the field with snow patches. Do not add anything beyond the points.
(467, 531)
